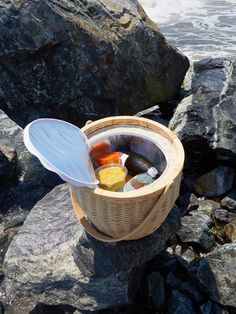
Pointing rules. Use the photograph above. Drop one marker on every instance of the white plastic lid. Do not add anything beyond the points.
(63, 148)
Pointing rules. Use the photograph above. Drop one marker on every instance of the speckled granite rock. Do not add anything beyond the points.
(81, 60)
(221, 261)
(53, 261)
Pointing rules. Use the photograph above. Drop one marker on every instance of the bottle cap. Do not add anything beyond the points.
(153, 172)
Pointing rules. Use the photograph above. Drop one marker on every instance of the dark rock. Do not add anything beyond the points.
(222, 264)
(191, 291)
(156, 290)
(230, 231)
(43, 309)
(173, 280)
(195, 231)
(189, 180)
(81, 60)
(154, 114)
(205, 121)
(201, 274)
(85, 312)
(229, 201)
(50, 309)
(210, 307)
(8, 164)
(52, 260)
(32, 171)
(188, 202)
(215, 183)
(224, 215)
(1, 275)
(35, 180)
(165, 263)
(1, 308)
(15, 221)
(179, 303)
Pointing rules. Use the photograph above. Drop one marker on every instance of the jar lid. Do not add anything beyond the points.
(62, 148)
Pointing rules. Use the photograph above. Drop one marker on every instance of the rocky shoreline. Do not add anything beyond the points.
(192, 271)
(48, 264)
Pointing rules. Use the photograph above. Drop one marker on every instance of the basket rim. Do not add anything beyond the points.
(171, 173)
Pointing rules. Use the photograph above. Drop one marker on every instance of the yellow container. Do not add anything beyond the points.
(111, 177)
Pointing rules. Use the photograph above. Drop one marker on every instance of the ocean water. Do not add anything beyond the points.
(199, 28)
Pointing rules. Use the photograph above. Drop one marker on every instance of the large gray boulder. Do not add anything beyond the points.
(53, 261)
(221, 261)
(205, 121)
(80, 60)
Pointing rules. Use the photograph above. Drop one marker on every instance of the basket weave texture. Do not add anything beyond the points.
(119, 215)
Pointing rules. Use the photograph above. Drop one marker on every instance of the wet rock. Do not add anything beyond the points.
(229, 201)
(205, 120)
(222, 264)
(156, 290)
(230, 231)
(223, 215)
(195, 231)
(80, 60)
(8, 164)
(52, 260)
(215, 183)
(179, 303)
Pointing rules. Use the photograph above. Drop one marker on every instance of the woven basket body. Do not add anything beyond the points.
(118, 214)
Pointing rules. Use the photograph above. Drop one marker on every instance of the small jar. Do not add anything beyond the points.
(111, 176)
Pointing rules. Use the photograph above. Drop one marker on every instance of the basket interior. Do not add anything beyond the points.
(137, 144)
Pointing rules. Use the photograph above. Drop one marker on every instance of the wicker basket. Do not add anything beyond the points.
(111, 216)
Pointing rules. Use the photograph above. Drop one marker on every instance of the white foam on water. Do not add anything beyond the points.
(162, 11)
(199, 28)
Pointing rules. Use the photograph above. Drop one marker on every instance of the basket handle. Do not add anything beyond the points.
(105, 238)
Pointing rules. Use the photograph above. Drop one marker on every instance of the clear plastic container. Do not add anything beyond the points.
(111, 177)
